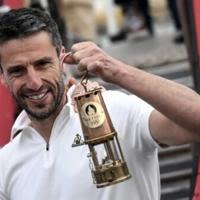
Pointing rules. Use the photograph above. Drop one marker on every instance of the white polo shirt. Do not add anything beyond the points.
(29, 172)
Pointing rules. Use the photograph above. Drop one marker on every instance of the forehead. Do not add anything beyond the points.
(35, 45)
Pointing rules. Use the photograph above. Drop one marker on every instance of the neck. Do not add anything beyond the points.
(44, 127)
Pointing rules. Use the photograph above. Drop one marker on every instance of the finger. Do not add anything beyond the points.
(72, 81)
(96, 68)
(83, 64)
(81, 45)
(68, 58)
(88, 51)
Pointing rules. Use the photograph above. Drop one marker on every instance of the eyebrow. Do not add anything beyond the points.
(41, 60)
(37, 62)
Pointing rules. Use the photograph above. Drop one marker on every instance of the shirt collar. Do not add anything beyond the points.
(23, 120)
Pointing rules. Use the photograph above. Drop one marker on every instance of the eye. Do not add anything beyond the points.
(43, 64)
(16, 71)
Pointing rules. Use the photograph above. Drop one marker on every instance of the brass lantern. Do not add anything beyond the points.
(98, 131)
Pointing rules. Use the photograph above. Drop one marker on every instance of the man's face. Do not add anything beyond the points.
(33, 73)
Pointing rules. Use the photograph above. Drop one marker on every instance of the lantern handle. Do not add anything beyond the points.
(84, 81)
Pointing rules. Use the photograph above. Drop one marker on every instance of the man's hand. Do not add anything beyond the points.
(88, 56)
(72, 81)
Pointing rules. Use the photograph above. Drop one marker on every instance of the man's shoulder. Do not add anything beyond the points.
(114, 92)
(10, 149)
(118, 98)
(6, 152)
(112, 95)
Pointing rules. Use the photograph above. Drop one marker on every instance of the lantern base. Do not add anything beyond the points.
(109, 174)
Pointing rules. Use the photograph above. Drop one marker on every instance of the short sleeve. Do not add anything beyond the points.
(130, 116)
(142, 137)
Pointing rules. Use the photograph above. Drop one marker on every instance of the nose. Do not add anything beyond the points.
(34, 81)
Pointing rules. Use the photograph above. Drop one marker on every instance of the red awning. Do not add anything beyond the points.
(14, 3)
(7, 114)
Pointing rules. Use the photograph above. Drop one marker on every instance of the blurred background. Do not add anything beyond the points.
(158, 36)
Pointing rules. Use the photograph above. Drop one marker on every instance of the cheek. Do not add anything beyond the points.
(52, 75)
(50, 78)
(15, 85)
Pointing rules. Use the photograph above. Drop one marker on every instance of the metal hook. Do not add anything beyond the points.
(84, 79)
(65, 56)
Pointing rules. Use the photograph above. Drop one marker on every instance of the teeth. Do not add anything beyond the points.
(36, 97)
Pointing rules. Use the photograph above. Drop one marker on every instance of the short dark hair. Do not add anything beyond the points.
(23, 22)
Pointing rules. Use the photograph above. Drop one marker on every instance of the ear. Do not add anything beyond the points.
(61, 57)
(62, 51)
(3, 80)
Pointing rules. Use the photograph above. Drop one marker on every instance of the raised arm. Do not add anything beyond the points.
(176, 118)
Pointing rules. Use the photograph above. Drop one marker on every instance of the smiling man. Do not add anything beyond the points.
(39, 163)
(32, 70)
(34, 74)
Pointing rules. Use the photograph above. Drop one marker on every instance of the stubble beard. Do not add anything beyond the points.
(57, 94)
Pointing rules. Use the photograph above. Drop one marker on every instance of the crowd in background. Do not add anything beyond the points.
(76, 18)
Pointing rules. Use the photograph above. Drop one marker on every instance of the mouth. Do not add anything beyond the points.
(37, 96)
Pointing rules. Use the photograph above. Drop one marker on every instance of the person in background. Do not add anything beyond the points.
(39, 162)
(173, 8)
(79, 19)
(137, 17)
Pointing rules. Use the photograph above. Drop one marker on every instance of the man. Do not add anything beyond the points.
(39, 163)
